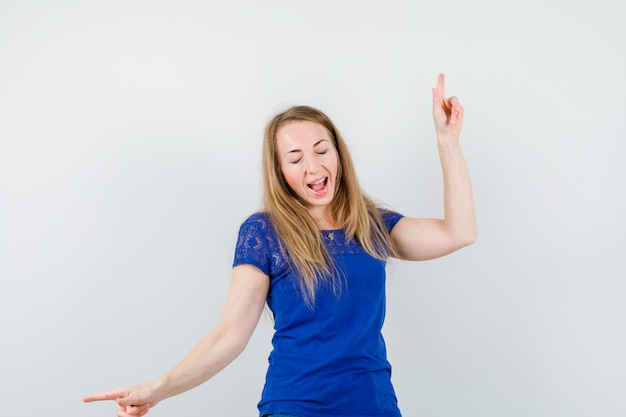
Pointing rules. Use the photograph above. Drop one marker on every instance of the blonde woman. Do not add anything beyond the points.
(316, 256)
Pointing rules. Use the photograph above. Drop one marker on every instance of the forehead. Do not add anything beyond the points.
(300, 133)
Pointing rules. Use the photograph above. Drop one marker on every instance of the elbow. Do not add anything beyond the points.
(471, 235)
(235, 345)
(231, 342)
(238, 346)
(461, 233)
(470, 239)
(467, 238)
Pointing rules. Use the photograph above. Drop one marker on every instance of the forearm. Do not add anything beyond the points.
(212, 354)
(459, 213)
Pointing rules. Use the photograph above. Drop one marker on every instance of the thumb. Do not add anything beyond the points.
(135, 396)
(123, 402)
(436, 97)
(129, 399)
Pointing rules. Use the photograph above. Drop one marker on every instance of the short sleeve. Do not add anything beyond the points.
(390, 219)
(252, 247)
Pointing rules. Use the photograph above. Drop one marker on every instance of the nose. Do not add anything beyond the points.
(312, 165)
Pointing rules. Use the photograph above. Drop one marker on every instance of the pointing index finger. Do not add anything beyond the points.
(103, 396)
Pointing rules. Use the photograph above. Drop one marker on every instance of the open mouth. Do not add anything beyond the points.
(318, 187)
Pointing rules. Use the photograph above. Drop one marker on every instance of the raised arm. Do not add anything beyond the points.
(422, 238)
(243, 307)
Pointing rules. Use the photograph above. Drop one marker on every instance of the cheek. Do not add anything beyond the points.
(335, 167)
(289, 175)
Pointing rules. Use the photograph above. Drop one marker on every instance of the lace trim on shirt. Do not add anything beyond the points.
(258, 244)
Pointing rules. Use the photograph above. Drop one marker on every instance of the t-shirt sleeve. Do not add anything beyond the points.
(252, 243)
(390, 219)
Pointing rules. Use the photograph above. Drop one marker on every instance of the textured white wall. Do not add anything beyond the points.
(129, 154)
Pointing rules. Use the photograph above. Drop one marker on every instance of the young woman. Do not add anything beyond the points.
(316, 256)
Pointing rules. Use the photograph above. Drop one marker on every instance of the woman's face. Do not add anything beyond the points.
(308, 161)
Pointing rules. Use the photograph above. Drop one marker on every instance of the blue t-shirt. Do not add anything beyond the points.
(329, 359)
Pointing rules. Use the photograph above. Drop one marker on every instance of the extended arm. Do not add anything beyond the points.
(243, 307)
(421, 238)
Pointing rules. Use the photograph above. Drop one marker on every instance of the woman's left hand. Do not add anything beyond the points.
(447, 112)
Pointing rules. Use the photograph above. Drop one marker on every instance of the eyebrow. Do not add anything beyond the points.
(300, 150)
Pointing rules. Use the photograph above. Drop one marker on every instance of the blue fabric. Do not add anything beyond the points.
(329, 360)
(279, 415)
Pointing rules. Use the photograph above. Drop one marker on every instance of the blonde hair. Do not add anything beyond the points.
(298, 233)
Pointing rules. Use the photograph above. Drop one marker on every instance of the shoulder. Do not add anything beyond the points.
(389, 217)
(257, 225)
(258, 218)
(258, 245)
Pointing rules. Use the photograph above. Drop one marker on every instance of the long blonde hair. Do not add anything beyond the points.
(298, 233)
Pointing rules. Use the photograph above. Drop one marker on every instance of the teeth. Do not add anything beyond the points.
(318, 181)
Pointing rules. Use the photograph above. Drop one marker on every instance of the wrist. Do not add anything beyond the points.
(447, 142)
(159, 388)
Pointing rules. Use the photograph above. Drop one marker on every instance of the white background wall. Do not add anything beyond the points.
(130, 136)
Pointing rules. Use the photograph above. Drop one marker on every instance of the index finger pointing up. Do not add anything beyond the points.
(441, 86)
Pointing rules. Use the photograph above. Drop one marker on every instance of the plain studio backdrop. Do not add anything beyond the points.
(130, 139)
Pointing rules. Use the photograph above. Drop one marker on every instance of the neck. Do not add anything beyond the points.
(324, 219)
